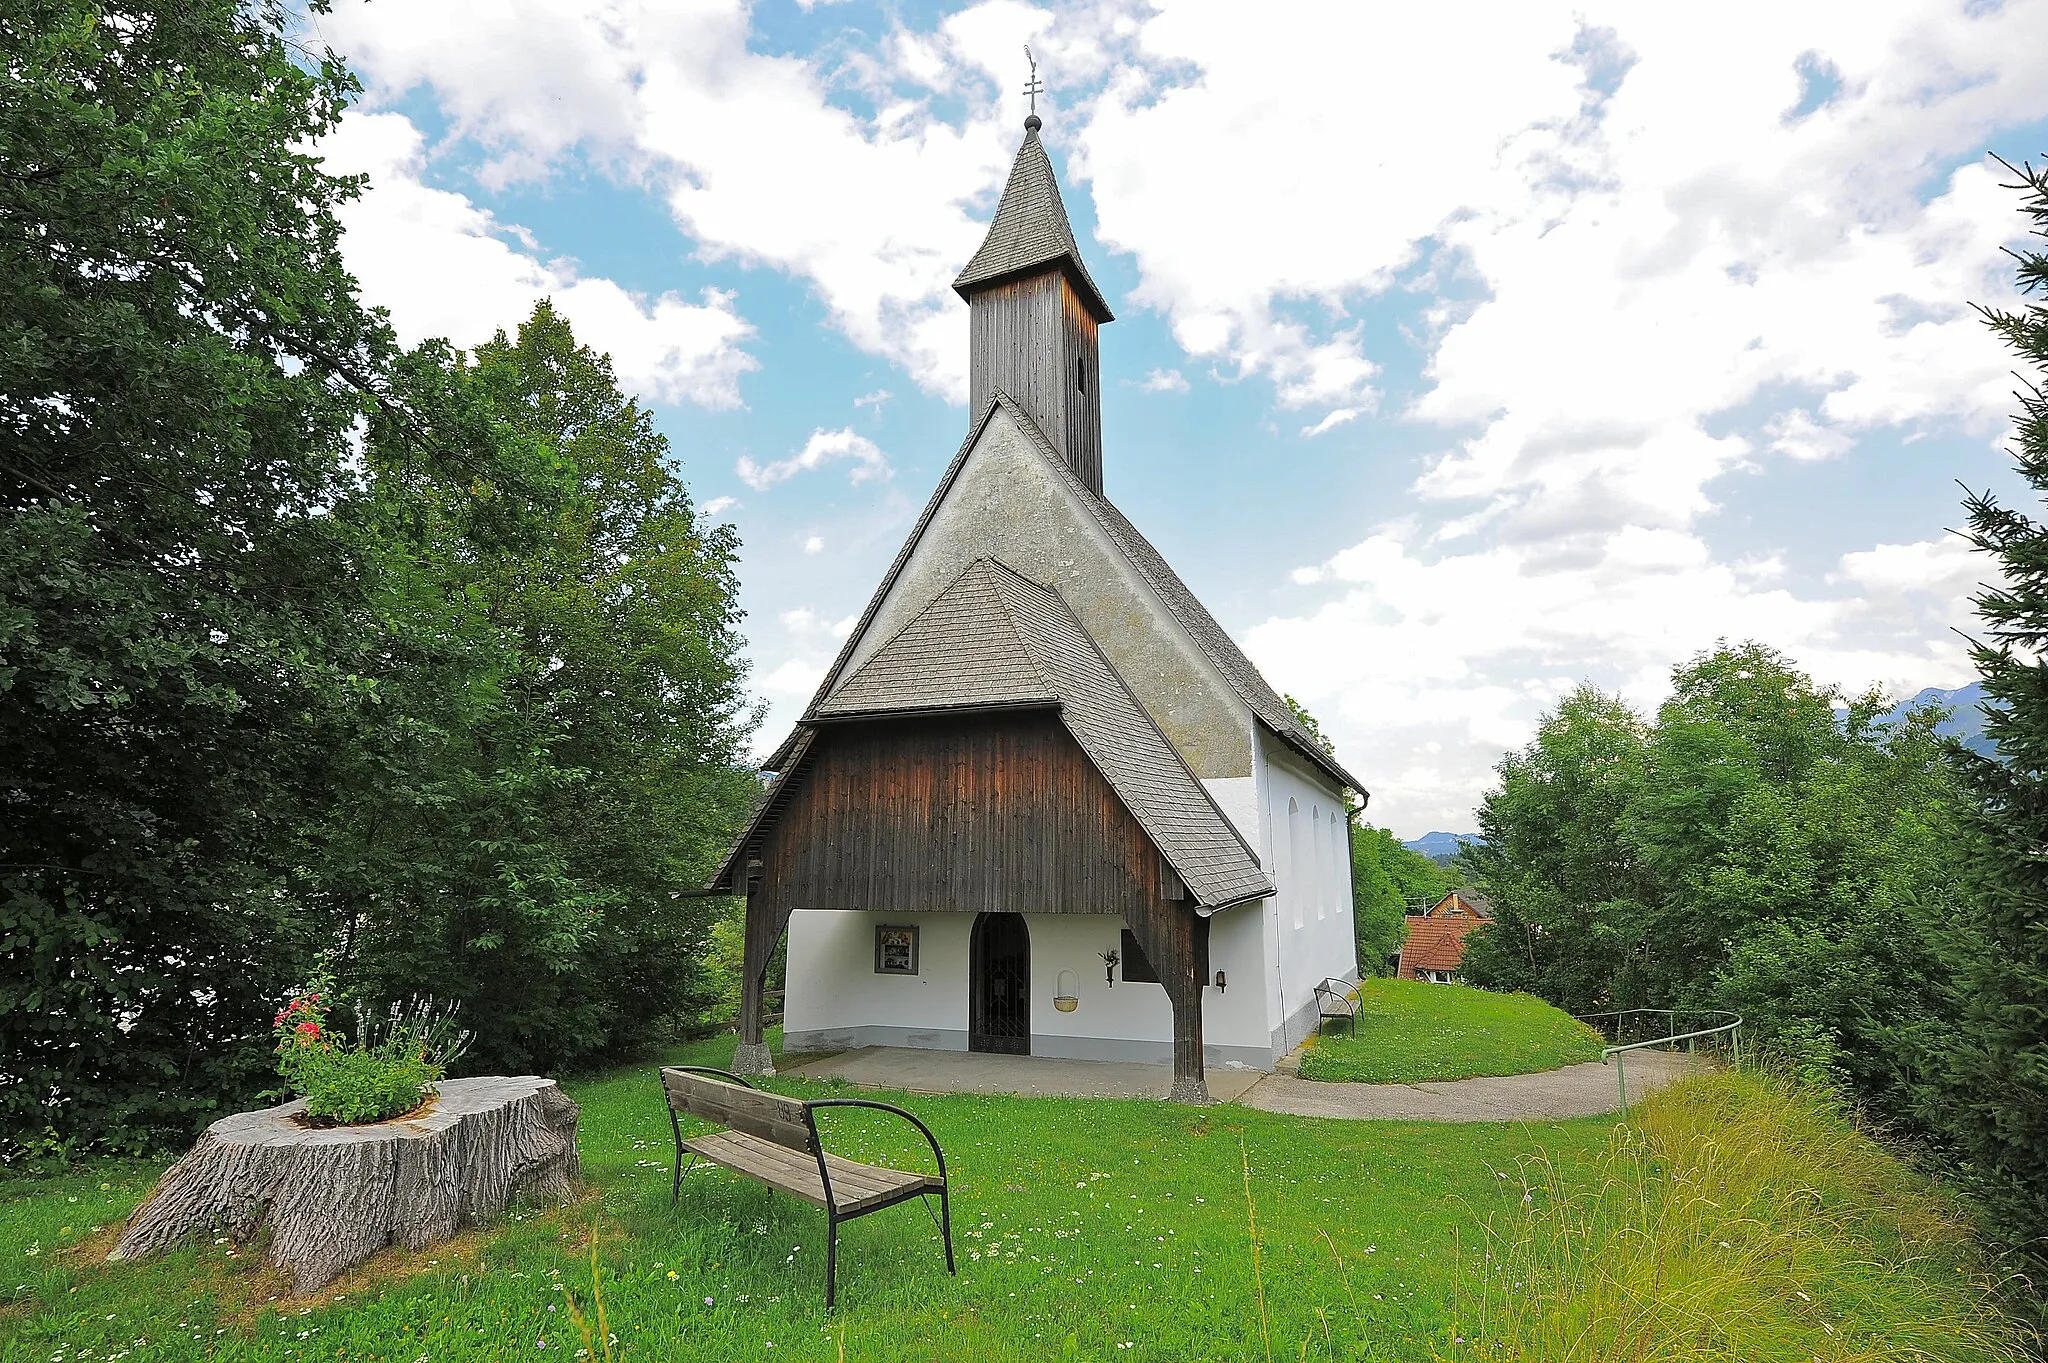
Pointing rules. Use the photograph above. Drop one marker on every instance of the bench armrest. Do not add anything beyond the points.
(726, 1075)
(929, 1138)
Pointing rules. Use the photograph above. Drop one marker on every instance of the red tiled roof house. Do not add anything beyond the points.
(1436, 937)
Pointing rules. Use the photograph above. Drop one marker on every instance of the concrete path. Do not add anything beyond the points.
(920, 1071)
(1576, 1091)
(1588, 1090)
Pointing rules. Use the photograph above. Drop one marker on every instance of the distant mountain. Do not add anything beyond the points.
(1965, 722)
(1437, 846)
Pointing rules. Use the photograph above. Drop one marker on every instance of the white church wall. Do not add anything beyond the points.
(1127, 1021)
(1310, 919)
(1238, 798)
(836, 1001)
(1235, 1026)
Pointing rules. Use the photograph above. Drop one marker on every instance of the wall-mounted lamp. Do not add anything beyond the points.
(1219, 981)
(1110, 960)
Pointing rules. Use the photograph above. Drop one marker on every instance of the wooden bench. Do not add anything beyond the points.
(1337, 999)
(774, 1140)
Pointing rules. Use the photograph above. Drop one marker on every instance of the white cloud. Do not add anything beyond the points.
(822, 448)
(1467, 649)
(1947, 568)
(1330, 422)
(444, 267)
(718, 506)
(1797, 435)
(756, 163)
(795, 678)
(874, 400)
(805, 623)
(1634, 275)
(815, 544)
(1164, 381)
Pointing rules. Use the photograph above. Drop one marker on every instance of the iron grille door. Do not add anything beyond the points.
(999, 1016)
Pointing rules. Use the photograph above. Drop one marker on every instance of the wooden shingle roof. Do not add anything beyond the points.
(994, 639)
(1237, 670)
(1030, 232)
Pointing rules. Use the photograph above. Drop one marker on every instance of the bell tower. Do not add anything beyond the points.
(1033, 314)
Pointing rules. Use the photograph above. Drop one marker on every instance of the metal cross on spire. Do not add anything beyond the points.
(1034, 87)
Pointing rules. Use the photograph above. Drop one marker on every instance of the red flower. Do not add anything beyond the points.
(308, 1030)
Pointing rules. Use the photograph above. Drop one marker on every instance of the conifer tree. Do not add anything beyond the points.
(1990, 1094)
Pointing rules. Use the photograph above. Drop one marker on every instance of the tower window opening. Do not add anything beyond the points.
(1080, 373)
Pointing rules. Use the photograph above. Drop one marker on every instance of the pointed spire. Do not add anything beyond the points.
(1030, 231)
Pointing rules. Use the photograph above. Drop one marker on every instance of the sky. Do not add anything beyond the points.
(1463, 354)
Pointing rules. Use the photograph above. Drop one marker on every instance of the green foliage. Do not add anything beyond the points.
(1735, 1218)
(1751, 849)
(349, 1085)
(1989, 1091)
(555, 747)
(180, 351)
(1387, 880)
(377, 1077)
(1410, 1032)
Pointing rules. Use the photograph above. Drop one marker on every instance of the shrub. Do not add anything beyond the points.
(374, 1080)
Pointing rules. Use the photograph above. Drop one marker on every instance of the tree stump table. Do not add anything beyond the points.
(333, 1196)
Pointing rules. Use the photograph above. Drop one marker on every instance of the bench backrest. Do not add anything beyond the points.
(772, 1117)
(1335, 995)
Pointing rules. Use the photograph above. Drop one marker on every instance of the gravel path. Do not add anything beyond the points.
(1575, 1091)
(1588, 1090)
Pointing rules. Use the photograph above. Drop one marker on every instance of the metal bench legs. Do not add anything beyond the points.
(831, 1258)
(832, 1221)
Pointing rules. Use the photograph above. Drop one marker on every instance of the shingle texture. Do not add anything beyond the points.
(1030, 231)
(962, 651)
(1246, 680)
(994, 638)
(1229, 660)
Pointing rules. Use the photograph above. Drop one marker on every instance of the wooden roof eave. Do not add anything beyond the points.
(794, 752)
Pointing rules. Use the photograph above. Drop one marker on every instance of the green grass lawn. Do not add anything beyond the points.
(1102, 1230)
(1085, 1229)
(1410, 1032)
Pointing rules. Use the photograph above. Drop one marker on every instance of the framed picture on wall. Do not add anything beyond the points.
(895, 949)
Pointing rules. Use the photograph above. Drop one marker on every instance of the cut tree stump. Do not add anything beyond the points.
(333, 1196)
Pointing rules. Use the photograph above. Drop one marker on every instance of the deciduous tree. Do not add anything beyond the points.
(182, 359)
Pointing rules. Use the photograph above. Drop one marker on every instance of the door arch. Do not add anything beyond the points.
(999, 985)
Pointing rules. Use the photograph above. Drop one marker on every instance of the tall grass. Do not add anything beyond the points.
(1738, 1218)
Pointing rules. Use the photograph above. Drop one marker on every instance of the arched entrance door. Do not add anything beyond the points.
(999, 985)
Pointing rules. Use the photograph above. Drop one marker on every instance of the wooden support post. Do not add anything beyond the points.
(1176, 942)
(763, 930)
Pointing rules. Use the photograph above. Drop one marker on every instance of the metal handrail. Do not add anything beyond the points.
(1733, 1027)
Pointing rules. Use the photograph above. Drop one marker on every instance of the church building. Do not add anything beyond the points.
(1041, 803)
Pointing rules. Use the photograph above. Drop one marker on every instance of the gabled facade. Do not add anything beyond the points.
(1037, 741)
